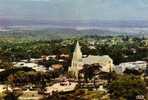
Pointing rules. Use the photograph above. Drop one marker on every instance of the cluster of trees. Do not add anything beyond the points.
(16, 51)
(127, 87)
(4, 62)
(78, 94)
(90, 71)
(129, 49)
(24, 76)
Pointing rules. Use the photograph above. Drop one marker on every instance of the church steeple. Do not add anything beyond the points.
(77, 55)
(77, 46)
(76, 64)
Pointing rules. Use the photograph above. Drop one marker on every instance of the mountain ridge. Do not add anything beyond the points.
(4, 22)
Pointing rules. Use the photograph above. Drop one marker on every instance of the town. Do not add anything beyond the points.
(85, 68)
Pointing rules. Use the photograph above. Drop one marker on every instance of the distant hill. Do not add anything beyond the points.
(52, 33)
(45, 30)
(62, 33)
(74, 23)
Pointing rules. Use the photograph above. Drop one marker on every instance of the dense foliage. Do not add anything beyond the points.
(127, 87)
(120, 49)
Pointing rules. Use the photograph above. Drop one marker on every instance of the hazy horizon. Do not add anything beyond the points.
(60, 10)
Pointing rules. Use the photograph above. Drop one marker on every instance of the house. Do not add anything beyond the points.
(57, 66)
(4, 88)
(1, 70)
(101, 89)
(131, 65)
(92, 47)
(61, 60)
(33, 60)
(64, 55)
(31, 65)
(51, 57)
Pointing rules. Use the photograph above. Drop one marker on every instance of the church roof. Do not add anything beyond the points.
(96, 59)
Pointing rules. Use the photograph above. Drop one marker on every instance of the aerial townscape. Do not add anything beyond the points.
(85, 68)
(73, 49)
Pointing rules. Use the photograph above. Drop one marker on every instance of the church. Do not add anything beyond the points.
(78, 61)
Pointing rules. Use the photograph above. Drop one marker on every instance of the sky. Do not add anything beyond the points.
(74, 9)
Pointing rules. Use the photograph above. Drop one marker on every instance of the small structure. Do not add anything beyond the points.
(101, 89)
(30, 95)
(61, 60)
(61, 87)
(131, 65)
(92, 47)
(57, 66)
(33, 60)
(1, 70)
(31, 65)
(64, 55)
(51, 57)
(4, 88)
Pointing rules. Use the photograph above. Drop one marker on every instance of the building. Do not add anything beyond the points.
(56, 66)
(4, 88)
(64, 56)
(104, 61)
(131, 65)
(34, 66)
(78, 61)
(1, 70)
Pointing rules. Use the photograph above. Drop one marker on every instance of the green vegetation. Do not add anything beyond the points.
(129, 48)
(80, 94)
(127, 87)
(120, 48)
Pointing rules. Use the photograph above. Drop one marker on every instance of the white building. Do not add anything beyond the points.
(105, 61)
(131, 65)
(31, 65)
(1, 70)
(78, 62)
(4, 88)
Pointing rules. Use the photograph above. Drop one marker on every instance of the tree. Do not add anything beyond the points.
(11, 96)
(5, 63)
(134, 72)
(127, 87)
(90, 71)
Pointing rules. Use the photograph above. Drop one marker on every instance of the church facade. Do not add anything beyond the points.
(78, 61)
